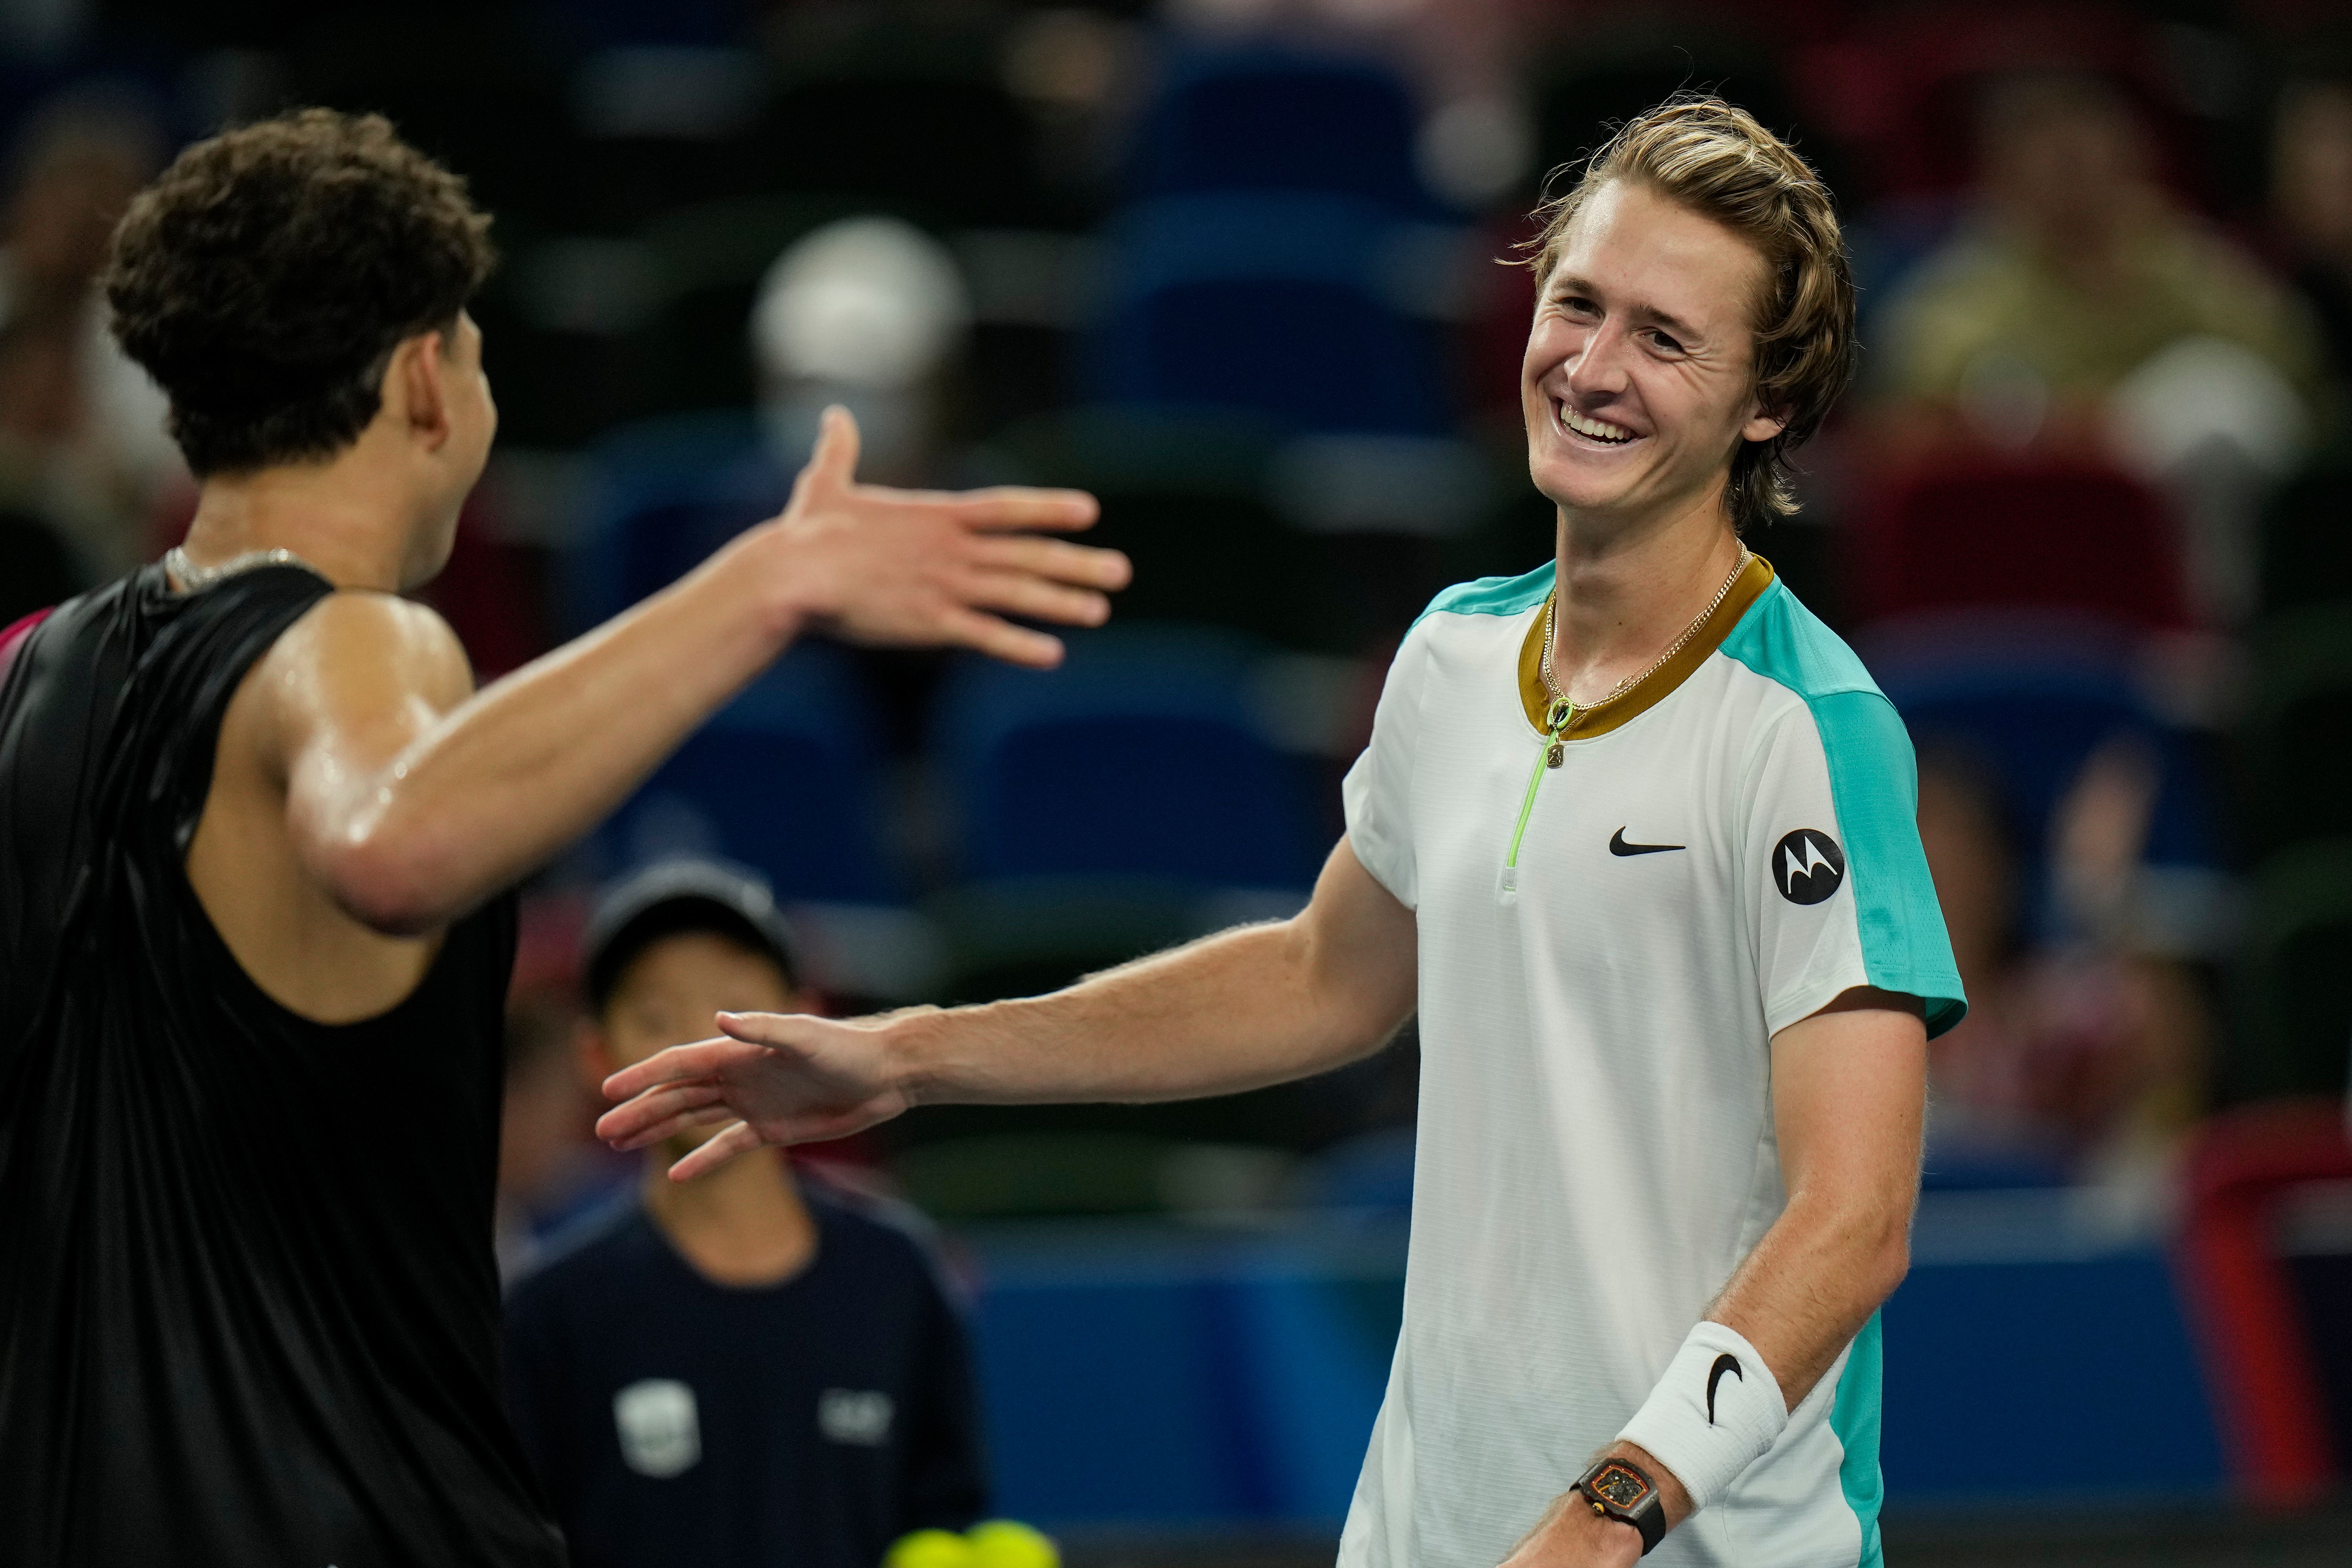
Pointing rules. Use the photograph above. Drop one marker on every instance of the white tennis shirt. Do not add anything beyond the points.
(1604, 958)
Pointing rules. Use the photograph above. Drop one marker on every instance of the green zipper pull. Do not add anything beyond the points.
(1552, 751)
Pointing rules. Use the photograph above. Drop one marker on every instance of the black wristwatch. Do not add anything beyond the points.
(1617, 1489)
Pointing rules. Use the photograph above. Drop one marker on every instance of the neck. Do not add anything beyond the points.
(1626, 592)
(743, 1224)
(339, 516)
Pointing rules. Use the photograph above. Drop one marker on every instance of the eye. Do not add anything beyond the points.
(1577, 305)
(1665, 341)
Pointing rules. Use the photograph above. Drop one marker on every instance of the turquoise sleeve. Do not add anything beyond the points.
(1874, 782)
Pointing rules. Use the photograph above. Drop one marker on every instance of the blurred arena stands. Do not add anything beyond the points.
(1232, 265)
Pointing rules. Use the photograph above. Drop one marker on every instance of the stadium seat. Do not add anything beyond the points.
(1969, 529)
(2269, 1360)
(1139, 757)
(1267, 119)
(1285, 305)
(2297, 736)
(785, 779)
(663, 495)
(1186, 499)
(2033, 711)
(1108, 808)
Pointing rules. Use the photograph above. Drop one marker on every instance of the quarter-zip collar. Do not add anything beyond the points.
(1654, 688)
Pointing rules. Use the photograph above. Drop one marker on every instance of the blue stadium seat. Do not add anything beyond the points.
(785, 779)
(2033, 716)
(1284, 304)
(663, 495)
(1139, 759)
(1274, 118)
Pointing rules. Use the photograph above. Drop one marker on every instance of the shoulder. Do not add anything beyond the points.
(871, 1232)
(1787, 643)
(581, 1255)
(1463, 624)
(380, 635)
(1781, 641)
(1491, 596)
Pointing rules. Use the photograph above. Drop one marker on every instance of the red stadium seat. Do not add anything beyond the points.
(2257, 1349)
(1971, 531)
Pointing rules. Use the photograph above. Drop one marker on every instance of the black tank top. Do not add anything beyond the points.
(249, 1312)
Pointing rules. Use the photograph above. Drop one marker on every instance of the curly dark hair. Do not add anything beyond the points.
(265, 276)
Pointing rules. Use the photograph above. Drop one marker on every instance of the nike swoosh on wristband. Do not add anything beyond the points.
(1724, 1362)
(1617, 846)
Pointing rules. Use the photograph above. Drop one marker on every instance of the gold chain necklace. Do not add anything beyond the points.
(1551, 627)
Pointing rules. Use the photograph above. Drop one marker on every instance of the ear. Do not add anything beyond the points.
(414, 391)
(1762, 425)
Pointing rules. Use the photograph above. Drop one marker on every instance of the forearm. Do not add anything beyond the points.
(1235, 1011)
(1812, 1283)
(1848, 1093)
(535, 760)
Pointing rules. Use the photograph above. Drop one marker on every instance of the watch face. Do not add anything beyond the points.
(1618, 1487)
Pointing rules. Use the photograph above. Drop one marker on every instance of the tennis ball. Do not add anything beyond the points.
(1008, 1543)
(930, 1549)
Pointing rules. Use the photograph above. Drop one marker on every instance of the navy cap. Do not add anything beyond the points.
(682, 894)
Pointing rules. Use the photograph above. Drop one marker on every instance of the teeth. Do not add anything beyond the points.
(1598, 430)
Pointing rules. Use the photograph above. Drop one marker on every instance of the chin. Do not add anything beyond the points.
(1567, 482)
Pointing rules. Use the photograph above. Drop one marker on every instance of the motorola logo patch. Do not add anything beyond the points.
(1807, 867)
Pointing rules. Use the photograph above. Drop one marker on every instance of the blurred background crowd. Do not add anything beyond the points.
(1245, 269)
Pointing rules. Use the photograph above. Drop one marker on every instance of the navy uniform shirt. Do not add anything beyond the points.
(804, 1425)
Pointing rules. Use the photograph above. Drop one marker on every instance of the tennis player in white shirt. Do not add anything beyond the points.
(1634, 836)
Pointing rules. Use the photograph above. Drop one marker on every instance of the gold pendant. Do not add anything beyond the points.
(1555, 755)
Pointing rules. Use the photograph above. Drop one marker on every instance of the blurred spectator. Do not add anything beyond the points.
(2077, 267)
(82, 439)
(2083, 306)
(2084, 1056)
(747, 1367)
(2311, 197)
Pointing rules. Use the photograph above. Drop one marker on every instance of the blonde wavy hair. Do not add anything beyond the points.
(1716, 160)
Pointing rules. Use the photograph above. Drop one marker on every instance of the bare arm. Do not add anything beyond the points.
(1256, 1005)
(411, 801)
(1849, 1095)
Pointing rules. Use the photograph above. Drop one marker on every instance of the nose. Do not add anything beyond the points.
(1597, 369)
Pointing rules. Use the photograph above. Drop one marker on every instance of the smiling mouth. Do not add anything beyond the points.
(1599, 431)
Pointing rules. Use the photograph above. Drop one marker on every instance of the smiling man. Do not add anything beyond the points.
(1634, 833)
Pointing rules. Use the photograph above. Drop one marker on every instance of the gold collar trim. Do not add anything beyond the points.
(1653, 688)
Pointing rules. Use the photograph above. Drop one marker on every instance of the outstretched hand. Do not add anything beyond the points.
(781, 1078)
(879, 566)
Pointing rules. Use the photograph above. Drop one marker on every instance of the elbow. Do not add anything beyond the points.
(380, 881)
(1891, 1263)
(1881, 1252)
(1864, 1246)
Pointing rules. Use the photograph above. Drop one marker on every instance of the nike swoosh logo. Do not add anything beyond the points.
(1724, 1362)
(1617, 846)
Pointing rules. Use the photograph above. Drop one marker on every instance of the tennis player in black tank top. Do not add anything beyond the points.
(255, 832)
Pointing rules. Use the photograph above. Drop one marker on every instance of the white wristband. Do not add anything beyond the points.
(1714, 1414)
